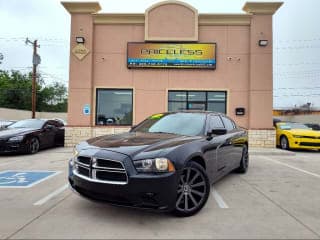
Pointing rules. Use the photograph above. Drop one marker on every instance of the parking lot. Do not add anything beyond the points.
(278, 198)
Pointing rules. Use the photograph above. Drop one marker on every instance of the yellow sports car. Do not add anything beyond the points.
(296, 135)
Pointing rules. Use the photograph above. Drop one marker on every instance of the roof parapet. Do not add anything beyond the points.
(82, 7)
(261, 8)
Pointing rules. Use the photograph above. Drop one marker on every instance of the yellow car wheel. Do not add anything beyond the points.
(284, 143)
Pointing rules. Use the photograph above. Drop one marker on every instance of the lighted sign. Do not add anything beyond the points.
(171, 55)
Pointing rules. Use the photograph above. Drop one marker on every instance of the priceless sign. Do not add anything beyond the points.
(171, 55)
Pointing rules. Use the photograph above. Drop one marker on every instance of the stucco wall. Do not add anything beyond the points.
(14, 114)
(150, 86)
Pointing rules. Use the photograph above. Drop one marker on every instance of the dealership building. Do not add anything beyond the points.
(126, 67)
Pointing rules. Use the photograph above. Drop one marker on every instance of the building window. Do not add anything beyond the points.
(198, 100)
(114, 107)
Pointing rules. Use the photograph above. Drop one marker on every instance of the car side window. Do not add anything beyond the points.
(57, 124)
(228, 124)
(215, 122)
(49, 123)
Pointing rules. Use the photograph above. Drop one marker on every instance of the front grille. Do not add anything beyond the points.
(309, 144)
(311, 137)
(107, 175)
(107, 163)
(84, 160)
(84, 171)
(101, 170)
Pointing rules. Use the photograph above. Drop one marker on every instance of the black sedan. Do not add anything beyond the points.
(166, 163)
(31, 135)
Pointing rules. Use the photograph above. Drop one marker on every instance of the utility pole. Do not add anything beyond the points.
(35, 61)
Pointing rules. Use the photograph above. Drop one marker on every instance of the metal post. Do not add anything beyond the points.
(34, 80)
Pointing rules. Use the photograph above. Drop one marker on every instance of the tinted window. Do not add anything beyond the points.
(215, 122)
(177, 96)
(56, 124)
(197, 100)
(229, 125)
(190, 124)
(197, 96)
(114, 107)
(177, 106)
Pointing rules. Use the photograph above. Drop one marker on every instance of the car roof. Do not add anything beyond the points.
(195, 111)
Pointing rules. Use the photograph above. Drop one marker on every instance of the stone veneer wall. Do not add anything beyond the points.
(262, 138)
(74, 135)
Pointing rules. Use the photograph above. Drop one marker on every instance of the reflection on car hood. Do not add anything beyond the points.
(136, 142)
(11, 132)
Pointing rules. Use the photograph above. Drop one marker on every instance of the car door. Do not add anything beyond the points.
(49, 132)
(233, 151)
(59, 134)
(216, 146)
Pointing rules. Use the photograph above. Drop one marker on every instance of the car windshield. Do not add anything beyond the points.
(29, 123)
(288, 126)
(190, 124)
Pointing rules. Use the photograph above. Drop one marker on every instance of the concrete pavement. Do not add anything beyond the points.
(278, 198)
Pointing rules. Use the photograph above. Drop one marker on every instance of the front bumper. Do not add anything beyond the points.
(147, 191)
(304, 143)
(12, 147)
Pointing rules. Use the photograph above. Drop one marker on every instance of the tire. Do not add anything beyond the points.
(284, 143)
(193, 190)
(244, 163)
(33, 146)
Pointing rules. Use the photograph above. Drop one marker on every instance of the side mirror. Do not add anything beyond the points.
(48, 127)
(218, 131)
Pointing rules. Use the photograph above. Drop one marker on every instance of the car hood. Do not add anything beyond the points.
(11, 132)
(304, 132)
(134, 143)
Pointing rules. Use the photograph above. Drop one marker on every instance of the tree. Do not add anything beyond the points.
(15, 92)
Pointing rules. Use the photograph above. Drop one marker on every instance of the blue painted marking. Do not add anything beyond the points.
(23, 179)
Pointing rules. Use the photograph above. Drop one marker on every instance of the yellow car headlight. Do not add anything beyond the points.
(297, 136)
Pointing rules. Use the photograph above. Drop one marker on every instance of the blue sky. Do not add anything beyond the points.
(296, 40)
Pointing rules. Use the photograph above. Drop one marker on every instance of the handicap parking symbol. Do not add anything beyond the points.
(24, 179)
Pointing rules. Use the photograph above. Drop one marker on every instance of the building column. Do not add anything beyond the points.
(261, 130)
(81, 71)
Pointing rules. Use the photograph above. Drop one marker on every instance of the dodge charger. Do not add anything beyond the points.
(166, 163)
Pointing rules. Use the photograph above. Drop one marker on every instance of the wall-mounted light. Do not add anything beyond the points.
(263, 43)
(80, 40)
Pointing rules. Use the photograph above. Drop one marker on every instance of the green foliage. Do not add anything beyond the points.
(15, 92)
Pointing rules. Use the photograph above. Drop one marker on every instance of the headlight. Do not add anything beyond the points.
(16, 139)
(297, 136)
(154, 165)
(75, 152)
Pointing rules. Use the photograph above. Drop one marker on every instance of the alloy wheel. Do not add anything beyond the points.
(34, 145)
(284, 143)
(191, 190)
